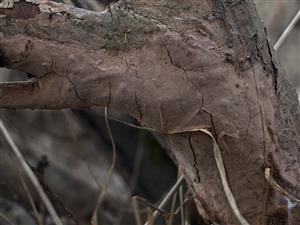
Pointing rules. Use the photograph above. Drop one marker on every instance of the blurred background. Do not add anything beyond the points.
(70, 151)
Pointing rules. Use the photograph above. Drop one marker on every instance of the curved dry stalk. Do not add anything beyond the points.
(277, 187)
(30, 175)
(227, 190)
(100, 198)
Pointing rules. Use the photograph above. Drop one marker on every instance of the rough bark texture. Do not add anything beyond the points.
(176, 66)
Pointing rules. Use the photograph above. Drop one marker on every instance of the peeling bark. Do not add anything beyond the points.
(176, 66)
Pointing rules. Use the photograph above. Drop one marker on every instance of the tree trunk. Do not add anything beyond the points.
(178, 67)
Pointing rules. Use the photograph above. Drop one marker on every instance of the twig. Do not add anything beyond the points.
(128, 124)
(6, 218)
(135, 207)
(161, 211)
(17, 167)
(287, 31)
(149, 216)
(31, 175)
(166, 199)
(182, 213)
(58, 201)
(150, 205)
(30, 198)
(94, 220)
(173, 204)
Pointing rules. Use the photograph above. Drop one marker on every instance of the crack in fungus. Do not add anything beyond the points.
(195, 158)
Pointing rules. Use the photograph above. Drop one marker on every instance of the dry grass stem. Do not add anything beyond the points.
(181, 200)
(30, 199)
(31, 175)
(166, 199)
(135, 207)
(287, 31)
(7, 219)
(173, 205)
(227, 190)
(277, 187)
(100, 198)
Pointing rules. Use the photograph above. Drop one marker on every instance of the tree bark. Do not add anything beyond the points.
(177, 67)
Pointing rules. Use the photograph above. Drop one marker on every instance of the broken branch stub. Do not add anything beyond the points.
(177, 67)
